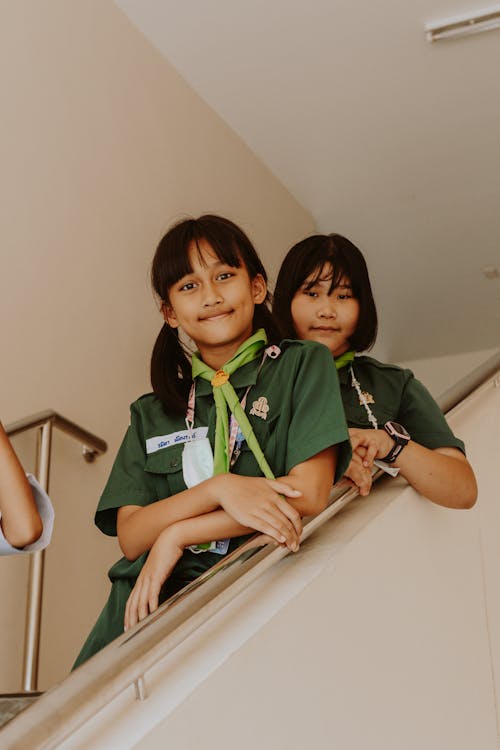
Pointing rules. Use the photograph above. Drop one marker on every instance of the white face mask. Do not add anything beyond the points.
(197, 461)
(198, 465)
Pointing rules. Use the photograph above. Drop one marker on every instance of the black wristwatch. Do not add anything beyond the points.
(401, 438)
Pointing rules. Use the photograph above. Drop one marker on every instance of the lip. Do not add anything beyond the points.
(325, 329)
(219, 315)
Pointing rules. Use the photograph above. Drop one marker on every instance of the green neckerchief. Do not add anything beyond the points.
(344, 359)
(225, 396)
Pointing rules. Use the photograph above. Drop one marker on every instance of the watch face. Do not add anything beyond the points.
(397, 430)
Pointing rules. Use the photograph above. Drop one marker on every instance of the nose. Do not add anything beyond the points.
(212, 295)
(327, 309)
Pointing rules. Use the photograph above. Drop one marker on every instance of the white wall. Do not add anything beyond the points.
(441, 373)
(102, 146)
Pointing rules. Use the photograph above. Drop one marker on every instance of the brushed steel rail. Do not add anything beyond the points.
(92, 445)
(44, 422)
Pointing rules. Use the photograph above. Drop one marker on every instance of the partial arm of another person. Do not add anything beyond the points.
(20, 521)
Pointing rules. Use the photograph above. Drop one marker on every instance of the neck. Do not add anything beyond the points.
(217, 356)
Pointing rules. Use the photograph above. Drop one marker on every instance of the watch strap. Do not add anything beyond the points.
(401, 438)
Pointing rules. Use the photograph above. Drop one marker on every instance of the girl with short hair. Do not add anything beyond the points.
(323, 294)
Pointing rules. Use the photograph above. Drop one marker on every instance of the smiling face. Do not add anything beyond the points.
(328, 316)
(214, 304)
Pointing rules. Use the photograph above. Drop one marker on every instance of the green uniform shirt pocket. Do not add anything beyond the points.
(166, 467)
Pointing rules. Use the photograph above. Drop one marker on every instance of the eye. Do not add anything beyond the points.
(311, 293)
(343, 291)
(187, 287)
(224, 275)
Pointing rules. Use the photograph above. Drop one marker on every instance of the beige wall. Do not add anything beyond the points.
(102, 146)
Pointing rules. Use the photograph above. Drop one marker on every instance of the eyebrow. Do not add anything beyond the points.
(212, 264)
(310, 284)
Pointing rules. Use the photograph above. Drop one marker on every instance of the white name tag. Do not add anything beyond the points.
(165, 441)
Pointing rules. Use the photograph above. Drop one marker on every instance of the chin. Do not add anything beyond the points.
(327, 339)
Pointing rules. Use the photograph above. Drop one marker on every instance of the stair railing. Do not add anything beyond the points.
(44, 422)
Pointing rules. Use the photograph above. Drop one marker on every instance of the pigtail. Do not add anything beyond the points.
(264, 318)
(170, 371)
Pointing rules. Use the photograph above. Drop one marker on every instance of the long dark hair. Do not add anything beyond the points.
(308, 258)
(170, 366)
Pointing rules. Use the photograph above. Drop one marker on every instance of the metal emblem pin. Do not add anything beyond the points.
(260, 408)
(368, 398)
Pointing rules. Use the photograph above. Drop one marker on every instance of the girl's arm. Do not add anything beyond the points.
(443, 475)
(255, 503)
(261, 500)
(20, 521)
(313, 478)
(165, 553)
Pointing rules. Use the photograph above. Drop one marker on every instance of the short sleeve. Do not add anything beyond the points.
(318, 420)
(423, 418)
(128, 483)
(46, 513)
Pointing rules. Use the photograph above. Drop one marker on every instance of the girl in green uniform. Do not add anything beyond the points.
(196, 470)
(323, 294)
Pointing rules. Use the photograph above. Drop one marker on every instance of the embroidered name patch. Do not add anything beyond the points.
(165, 441)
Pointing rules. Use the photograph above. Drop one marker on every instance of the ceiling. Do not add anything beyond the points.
(382, 136)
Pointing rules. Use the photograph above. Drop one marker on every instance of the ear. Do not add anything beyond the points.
(169, 316)
(259, 289)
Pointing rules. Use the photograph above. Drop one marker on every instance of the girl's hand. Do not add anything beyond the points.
(163, 556)
(370, 444)
(257, 502)
(358, 475)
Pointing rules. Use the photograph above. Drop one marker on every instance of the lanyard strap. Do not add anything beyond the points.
(272, 352)
(373, 421)
(362, 399)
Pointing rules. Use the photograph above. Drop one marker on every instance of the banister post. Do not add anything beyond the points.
(35, 575)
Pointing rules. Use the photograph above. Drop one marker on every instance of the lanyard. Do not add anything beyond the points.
(273, 352)
(362, 399)
(373, 421)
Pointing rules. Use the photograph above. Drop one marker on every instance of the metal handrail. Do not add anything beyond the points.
(44, 422)
(125, 660)
(464, 387)
(92, 445)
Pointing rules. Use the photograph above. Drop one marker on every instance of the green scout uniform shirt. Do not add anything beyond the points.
(305, 416)
(398, 396)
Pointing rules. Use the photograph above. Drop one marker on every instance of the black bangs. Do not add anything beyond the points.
(171, 261)
(307, 260)
(318, 274)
